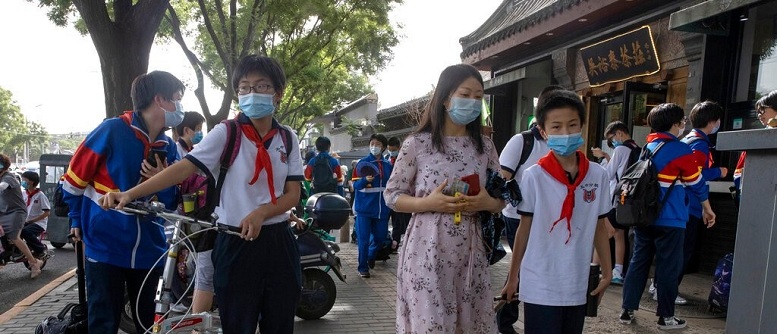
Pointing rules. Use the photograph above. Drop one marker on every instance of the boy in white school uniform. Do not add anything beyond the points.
(565, 200)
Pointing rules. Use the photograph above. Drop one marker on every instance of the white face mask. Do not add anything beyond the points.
(375, 150)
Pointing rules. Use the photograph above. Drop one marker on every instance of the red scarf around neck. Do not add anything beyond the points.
(551, 164)
(262, 156)
(30, 194)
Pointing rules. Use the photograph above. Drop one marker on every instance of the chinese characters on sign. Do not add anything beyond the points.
(622, 57)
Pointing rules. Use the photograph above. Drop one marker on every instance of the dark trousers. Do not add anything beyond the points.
(105, 289)
(691, 234)
(399, 221)
(553, 319)
(666, 244)
(31, 234)
(508, 315)
(370, 235)
(256, 277)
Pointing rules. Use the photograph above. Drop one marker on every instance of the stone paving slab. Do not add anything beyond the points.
(368, 305)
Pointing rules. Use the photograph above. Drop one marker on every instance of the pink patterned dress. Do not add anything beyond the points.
(443, 282)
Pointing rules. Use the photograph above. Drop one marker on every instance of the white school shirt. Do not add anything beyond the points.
(238, 198)
(510, 157)
(38, 204)
(555, 273)
(617, 165)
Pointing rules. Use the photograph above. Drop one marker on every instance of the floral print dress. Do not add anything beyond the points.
(443, 282)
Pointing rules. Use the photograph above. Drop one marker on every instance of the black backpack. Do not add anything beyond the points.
(323, 178)
(638, 195)
(636, 151)
(61, 209)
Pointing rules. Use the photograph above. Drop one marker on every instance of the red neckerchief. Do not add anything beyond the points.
(550, 164)
(185, 145)
(262, 156)
(30, 194)
(659, 136)
(127, 117)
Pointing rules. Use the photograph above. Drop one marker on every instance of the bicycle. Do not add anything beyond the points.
(205, 322)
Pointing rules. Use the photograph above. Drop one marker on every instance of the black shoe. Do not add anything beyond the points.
(365, 275)
(627, 316)
(371, 264)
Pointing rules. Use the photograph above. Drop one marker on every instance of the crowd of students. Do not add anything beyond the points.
(442, 275)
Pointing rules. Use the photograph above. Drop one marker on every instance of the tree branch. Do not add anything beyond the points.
(216, 41)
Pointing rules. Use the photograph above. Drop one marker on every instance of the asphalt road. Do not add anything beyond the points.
(15, 281)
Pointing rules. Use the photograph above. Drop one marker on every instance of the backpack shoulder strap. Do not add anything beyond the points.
(671, 186)
(528, 146)
(286, 139)
(231, 148)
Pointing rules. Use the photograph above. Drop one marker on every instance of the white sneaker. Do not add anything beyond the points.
(652, 288)
(617, 278)
(677, 301)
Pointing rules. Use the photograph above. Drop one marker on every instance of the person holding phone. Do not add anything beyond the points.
(443, 281)
(119, 154)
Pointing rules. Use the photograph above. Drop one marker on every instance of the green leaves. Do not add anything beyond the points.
(16, 129)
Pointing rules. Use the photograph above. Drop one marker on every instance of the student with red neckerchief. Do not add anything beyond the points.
(554, 243)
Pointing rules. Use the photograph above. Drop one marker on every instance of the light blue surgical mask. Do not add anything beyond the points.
(174, 117)
(565, 145)
(616, 143)
(197, 137)
(375, 150)
(463, 110)
(393, 153)
(716, 128)
(24, 184)
(256, 105)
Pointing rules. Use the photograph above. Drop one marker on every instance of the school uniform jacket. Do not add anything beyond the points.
(108, 160)
(700, 145)
(675, 161)
(369, 201)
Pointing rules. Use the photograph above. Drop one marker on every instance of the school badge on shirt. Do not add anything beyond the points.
(589, 191)
(282, 151)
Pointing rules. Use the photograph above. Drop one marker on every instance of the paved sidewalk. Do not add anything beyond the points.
(368, 305)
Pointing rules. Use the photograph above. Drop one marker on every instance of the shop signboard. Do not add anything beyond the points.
(622, 57)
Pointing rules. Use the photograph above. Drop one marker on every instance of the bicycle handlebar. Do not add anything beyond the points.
(158, 209)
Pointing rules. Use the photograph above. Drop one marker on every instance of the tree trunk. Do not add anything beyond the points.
(123, 44)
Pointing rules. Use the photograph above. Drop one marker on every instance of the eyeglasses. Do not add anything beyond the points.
(261, 89)
(762, 109)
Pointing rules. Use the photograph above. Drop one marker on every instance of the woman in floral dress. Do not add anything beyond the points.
(443, 282)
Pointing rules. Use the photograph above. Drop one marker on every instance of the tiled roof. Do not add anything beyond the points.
(511, 17)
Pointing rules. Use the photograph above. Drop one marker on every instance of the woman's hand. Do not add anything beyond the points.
(482, 202)
(439, 202)
(147, 171)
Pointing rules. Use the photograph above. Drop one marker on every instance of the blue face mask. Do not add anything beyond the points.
(256, 105)
(375, 150)
(565, 145)
(715, 129)
(616, 143)
(24, 184)
(463, 111)
(175, 117)
(197, 137)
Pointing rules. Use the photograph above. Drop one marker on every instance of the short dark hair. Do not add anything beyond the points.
(381, 138)
(550, 89)
(615, 127)
(191, 119)
(32, 176)
(5, 161)
(665, 115)
(309, 156)
(434, 115)
(705, 112)
(147, 86)
(263, 65)
(393, 141)
(767, 101)
(323, 144)
(557, 99)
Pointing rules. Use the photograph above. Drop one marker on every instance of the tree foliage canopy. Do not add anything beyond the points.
(328, 48)
(17, 130)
